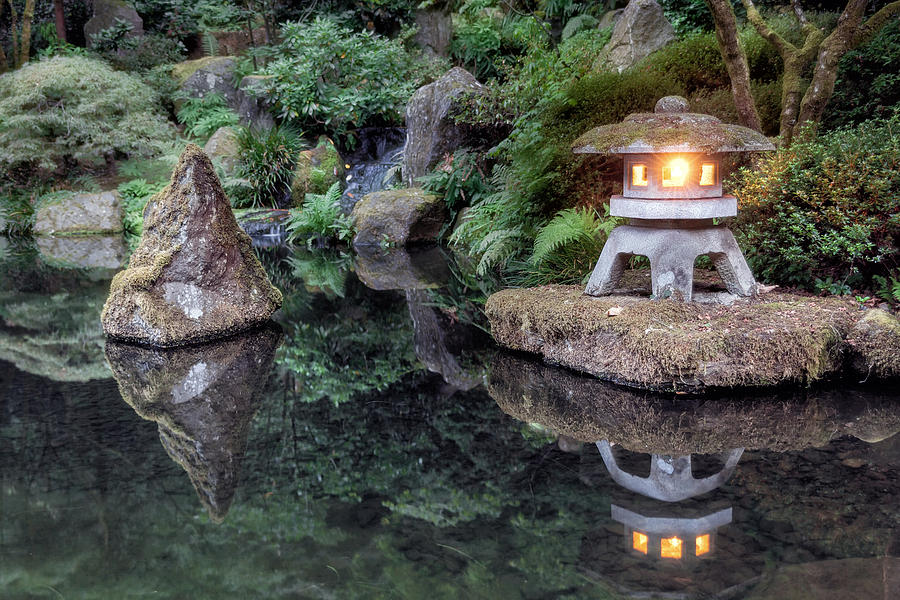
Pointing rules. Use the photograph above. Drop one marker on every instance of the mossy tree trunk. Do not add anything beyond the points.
(21, 40)
(735, 62)
(801, 101)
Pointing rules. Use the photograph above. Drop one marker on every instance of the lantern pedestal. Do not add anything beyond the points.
(672, 247)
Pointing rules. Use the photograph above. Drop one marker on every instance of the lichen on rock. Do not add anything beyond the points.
(194, 276)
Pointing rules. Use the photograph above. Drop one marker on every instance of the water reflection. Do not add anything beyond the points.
(679, 527)
(203, 399)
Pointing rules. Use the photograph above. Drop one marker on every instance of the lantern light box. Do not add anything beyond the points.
(672, 196)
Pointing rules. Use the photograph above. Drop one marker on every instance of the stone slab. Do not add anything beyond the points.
(706, 208)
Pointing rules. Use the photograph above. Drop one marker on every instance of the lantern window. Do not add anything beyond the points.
(702, 544)
(675, 173)
(639, 175)
(708, 174)
(639, 541)
(670, 547)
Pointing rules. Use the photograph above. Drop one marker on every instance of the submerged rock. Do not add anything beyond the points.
(641, 29)
(398, 218)
(80, 214)
(430, 130)
(772, 339)
(194, 276)
(203, 399)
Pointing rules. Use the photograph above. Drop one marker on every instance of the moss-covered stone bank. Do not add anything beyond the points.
(772, 339)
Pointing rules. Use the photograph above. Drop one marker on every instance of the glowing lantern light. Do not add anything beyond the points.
(675, 173)
(639, 175)
(639, 541)
(708, 174)
(702, 544)
(670, 547)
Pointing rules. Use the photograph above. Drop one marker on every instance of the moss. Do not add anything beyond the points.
(875, 341)
(662, 344)
(183, 71)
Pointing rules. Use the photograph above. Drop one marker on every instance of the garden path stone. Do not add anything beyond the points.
(641, 29)
(80, 214)
(397, 218)
(431, 132)
(194, 276)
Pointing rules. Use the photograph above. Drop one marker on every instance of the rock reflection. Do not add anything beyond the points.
(203, 399)
(675, 527)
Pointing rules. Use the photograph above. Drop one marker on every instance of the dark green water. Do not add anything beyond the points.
(377, 447)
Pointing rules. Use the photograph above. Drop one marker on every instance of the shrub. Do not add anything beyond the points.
(329, 79)
(143, 53)
(135, 194)
(203, 116)
(74, 108)
(826, 207)
(268, 157)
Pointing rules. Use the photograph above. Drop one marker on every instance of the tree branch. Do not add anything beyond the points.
(798, 10)
(781, 44)
(874, 23)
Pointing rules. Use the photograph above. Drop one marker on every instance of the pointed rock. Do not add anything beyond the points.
(194, 276)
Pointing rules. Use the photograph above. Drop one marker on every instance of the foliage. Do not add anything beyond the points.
(868, 81)
(113, 37)
(687, 16)
(203, 116)
(135, 194)
(320, 219)
(567, 247)
(827, 207)
(141, 54)
(476, 43)
(887, 288)
(460, 180)
(73, 108)
(322, 270)
(327, 78)
(268, 157)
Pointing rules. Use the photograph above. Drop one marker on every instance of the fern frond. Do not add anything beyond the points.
(569, 225)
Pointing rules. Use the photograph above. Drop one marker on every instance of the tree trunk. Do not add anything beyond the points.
(25, 40)
(14, 33)
(849, 33)
(735, 62)
(60, 12)
(4, 65)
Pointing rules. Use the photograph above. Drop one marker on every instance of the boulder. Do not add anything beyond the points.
(398, 218)
(317, 169)
(107, 13)
(768, 340)
(194, 276)
(610, 18)
(641, 29)
(252, 108)
(430, 130)
(210, 75)
(223, 148)
(435, 29)
(80, 214)
(203, 399)
(875, 340)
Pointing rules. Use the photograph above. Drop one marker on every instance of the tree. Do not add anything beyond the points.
(801, 101)
(60, 14)
(21, 40)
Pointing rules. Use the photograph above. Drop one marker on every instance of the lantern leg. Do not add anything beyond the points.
(732, 266)
(609, 268)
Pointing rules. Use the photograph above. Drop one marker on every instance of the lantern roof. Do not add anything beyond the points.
(670, 128)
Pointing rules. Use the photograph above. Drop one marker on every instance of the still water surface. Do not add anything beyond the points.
(375, 445)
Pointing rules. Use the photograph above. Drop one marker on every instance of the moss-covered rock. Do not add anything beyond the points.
(875, 340)
(772, 339)
(398, 218)
(79, 214)
(223, 147)
(108, 13)
(194, 276)
(208, 75)
(317, 169)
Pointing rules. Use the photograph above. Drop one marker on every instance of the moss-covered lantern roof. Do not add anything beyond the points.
(670, 128)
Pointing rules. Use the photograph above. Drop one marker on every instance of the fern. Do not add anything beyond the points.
(497, 248)
(210, 44)
(887, 288)
(203, 116)
(320, 218)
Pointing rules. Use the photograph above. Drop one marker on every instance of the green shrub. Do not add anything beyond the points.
(268, 157)
(203, 116)
(66, 109)
(826, 207)
(329, 79)
(135, 194)
(320, 219)
(144, 53)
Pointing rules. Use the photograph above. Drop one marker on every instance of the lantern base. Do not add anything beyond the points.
(672, 252)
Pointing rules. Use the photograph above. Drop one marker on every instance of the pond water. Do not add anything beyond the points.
(375, 445)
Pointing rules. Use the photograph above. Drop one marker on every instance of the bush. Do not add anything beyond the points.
(143, 53)
(329, 79)
(66, 109)
(826, 208)
(268, 157)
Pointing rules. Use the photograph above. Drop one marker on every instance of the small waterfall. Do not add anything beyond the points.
(378, 149)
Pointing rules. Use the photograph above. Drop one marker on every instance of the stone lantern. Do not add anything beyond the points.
(672, 197)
